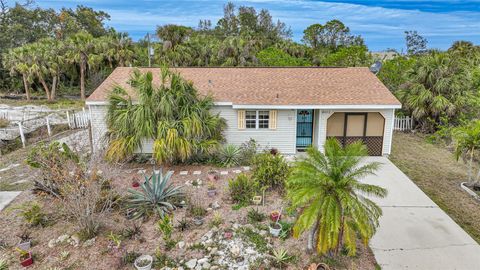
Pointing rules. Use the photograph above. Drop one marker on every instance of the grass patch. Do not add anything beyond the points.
(435, 170)
(255, 238)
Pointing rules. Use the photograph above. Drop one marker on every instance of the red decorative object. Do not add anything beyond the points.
(275, 215)
(228, 234)
(27, 260)
(135, 184)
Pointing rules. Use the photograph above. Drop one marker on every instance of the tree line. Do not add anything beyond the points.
(47, 51)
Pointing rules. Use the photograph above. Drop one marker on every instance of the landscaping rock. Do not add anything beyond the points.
(191, 263)
(181, 244)
(215, 205)
(89, 242)
(51, 243)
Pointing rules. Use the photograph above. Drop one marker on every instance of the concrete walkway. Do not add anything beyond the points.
(414, 232)
(6, 197)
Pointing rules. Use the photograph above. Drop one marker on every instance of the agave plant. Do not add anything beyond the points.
(281, 257)
(230, 155)
(156, 196)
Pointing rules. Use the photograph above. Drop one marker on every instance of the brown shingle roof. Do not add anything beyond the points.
(272, 86)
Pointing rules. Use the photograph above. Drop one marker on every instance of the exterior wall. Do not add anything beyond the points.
(283, 137)
(99, 125)
(375, 127)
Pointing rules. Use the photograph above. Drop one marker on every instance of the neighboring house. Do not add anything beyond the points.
(286, 108)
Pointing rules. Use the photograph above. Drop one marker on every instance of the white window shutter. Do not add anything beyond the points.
(272, 119)
(241, 119)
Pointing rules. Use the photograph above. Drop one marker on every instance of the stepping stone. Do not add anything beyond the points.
(237, 171)
(197, 172)
(246, 168)
(184, 173)
(224, 172)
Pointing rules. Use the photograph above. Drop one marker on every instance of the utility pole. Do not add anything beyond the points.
(150, 50)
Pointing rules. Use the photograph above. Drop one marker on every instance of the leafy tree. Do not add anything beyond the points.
(416, 44)
(82, 18)
(172, 114)
(438, 85)
(333, 205)
(467, 144)
(173, 35)
(352, 56)
(272, 56)
(394, 72)
(331, 35)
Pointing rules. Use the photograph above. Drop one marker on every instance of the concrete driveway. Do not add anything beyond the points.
(414, 232)
(6, 197)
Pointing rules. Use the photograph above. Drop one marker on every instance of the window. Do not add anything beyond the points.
(257, 119)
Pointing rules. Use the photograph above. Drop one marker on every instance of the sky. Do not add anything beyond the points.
(381, 23)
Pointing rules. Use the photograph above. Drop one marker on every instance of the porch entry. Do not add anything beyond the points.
(351, 127)
(304, 129)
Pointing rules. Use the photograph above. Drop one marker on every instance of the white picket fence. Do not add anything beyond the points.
(79, 119)
(403, 123)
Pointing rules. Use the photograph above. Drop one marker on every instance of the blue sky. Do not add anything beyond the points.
(382, 23)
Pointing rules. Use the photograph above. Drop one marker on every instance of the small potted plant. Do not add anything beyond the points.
(144, 262)
(26, 258)
(25, 241)
(135, 183)
(275, 216)
(211, 190)
(275, 228)
(212, 175)
(257, 200)
(228, 234)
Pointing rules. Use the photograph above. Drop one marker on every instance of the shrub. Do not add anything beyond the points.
(230, 155)
(195, 207)
(32, 214)
(248, 152)
(242, 189)
(217, 219)
(165, 226)
(4, 122)
(157, 196)
(255, 216)
(55, 161)
(129, 257)
(270, 170)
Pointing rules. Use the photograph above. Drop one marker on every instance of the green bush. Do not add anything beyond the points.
(32, 214)
(242, 189)
(255, 216)
(248, 150)
(230, 155)
(270, 170)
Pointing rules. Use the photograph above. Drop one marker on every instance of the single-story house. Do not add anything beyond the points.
(288, 108)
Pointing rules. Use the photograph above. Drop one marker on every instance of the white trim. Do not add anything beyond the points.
(223, 103)
(96, 103)
(323, 107)
(263, 106)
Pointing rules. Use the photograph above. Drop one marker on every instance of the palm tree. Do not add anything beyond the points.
(81, 51)
(326, 187)
(17, 61)
(171, 114)
(117, 48)
(467, 144)
(438, 85)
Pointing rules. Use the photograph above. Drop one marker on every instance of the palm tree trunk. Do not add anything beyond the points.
(45, 87)
(54, 87)
(82, 76)
(25, 84)
(311, 237)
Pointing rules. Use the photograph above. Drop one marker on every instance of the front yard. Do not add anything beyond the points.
(435, 170)
(58, 245)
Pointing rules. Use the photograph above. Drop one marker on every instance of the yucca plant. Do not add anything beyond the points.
(281, 257)
(230, 155)
(156, 196)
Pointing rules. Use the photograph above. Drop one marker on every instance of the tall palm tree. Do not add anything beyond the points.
(171, 114)
(117, 48)
(438, 85)
(17, 62)
(81, 51)
(326, 187)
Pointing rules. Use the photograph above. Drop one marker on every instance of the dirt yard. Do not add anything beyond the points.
(435, 170)
(98, 255)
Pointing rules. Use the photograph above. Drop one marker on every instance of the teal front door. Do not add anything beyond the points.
(304, 129)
